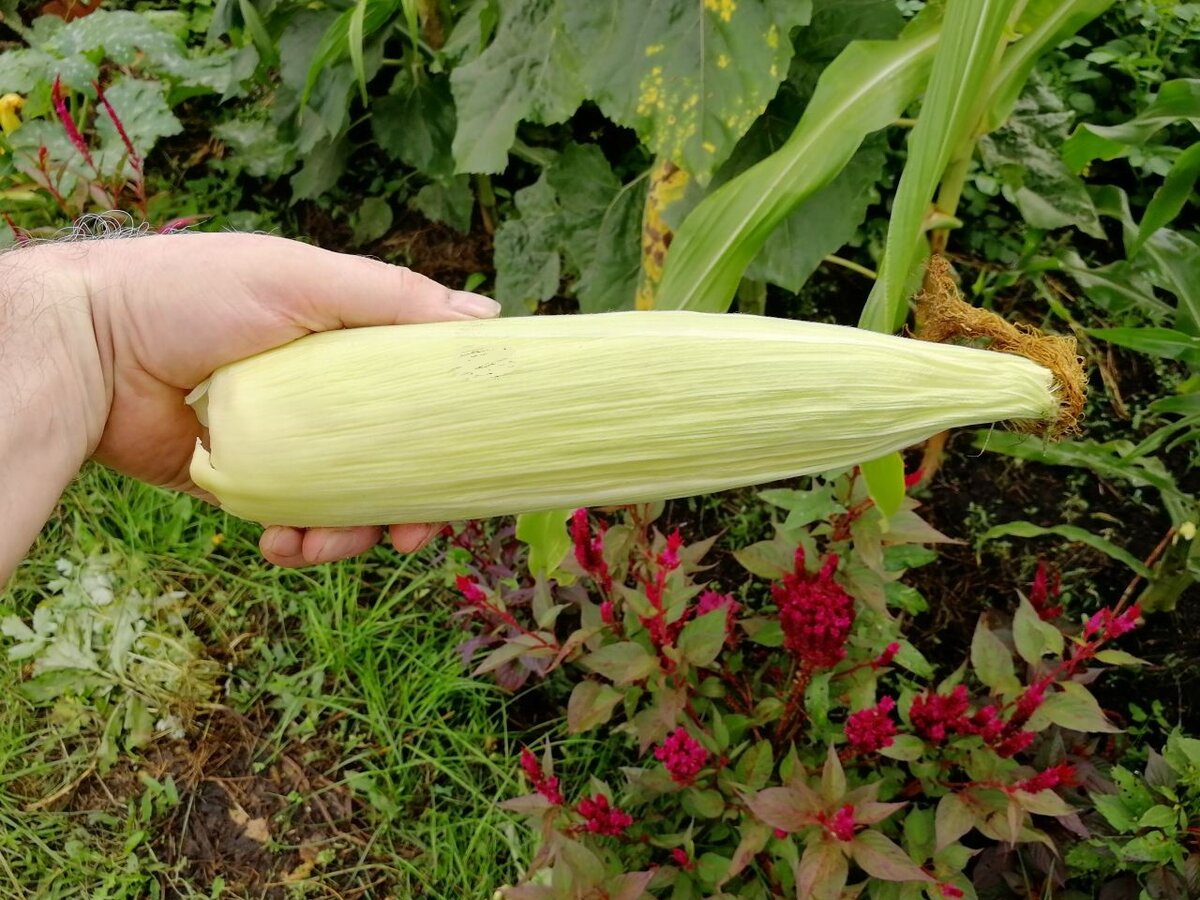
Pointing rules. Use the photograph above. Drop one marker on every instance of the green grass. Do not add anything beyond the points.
(353, 665)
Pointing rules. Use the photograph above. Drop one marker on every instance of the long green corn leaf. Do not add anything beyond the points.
(866, 88)
(972, 36)
(1043, 23)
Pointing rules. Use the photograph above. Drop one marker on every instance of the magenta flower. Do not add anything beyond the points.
(682, 755)
(870, 730)
(816, 614)
(601, 817)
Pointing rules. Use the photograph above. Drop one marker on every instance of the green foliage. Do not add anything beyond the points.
(117, 666)
(767, 735)
(1146, 819)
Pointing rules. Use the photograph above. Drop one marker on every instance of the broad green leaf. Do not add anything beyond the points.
(905, 747)
(1070, 533)
(788, 808)
(591, 703)
(372, 220)
(953, 819)
(622, 663)
(972, 36)
(1024, 154)
(701, 639)
(323, 166)
(822, 224)
(1176, 101)
(689, 77)
(1073, 707)
(754, 838)
(1177, 188)
(865, 89)
(755, 765)
(561, 219)
(1115, 812)
(1165, 342)
(833, 778)
(448, 200)
(1043, 803)
(885, 483)
(881, 858)
(992, 662)
(545, 534)
(143, 109)
(707, 804)
(1120, 658)
(610, 279)
(530, 72)
(528, 265)
(1174, 259)
(415, 123)
(822, 872)
(1043, 24)
(1034, 638)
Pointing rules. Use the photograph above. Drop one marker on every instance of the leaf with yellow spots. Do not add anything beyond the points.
(698, 76)
(667, 184)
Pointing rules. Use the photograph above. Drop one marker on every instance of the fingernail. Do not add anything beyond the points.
(475, 305)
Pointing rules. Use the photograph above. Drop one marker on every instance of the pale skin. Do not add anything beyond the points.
(100, 341)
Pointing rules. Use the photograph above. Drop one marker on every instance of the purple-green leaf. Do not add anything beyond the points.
(880, 858)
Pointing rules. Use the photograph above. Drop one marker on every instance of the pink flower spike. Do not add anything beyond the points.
(815, 613)
(949, 890)
(841, 823)
(601, 818)
(872, 729)
(669, 557)
(134, 158)
(471, 591)
(68, 124)
(887, 657)
(682, 755)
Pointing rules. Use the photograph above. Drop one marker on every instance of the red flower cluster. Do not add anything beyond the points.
(936, 717)
(682, 755)
(668, 559)
(816, 614)
(1044, 591)
(1106, 625)
(471, 591)
(870, 730)
(1062, 774)
(840, 824)
(546, 785)
(589, 548)
(602, 818)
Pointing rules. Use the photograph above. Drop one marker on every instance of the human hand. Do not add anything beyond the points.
(169, 309)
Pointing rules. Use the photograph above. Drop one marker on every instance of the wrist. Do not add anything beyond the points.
(54, 397)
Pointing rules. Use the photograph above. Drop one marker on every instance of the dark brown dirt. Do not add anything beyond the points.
(261, 821)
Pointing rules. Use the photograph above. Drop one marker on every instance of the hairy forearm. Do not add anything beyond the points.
(52, 392)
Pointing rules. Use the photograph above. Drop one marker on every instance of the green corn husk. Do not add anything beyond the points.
(459, 420)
